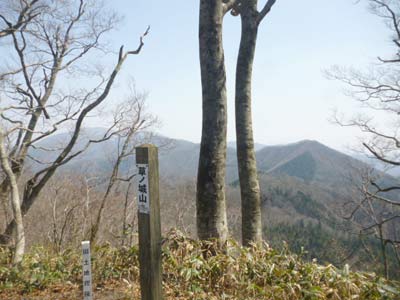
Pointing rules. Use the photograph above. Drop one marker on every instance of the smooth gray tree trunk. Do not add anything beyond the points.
(248, 176)
(210, 198)
(15, 202)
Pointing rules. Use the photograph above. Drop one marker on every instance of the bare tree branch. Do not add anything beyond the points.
(27, 13)
(266, 9)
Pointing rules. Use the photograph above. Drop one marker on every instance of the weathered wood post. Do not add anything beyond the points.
(149, 222)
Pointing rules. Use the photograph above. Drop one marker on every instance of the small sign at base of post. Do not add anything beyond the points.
(87, 271)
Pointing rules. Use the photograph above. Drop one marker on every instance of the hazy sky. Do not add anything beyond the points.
(292, 100)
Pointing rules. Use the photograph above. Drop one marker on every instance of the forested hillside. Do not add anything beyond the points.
(305, 188)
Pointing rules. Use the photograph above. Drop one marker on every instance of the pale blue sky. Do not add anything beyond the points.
(297, 41)
(291, 98)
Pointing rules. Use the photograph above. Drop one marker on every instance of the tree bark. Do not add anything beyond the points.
(383, 251)
(34, 186)
(248, 177)
(210, 198)
(15, 201)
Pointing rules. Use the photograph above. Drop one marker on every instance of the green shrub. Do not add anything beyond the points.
(201, 270)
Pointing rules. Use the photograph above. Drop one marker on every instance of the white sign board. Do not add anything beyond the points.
(87, 272)
(143, 188)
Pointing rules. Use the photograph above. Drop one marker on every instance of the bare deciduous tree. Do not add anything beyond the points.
(211, 207)
(28, 10)
(25, 12)
(52, 47)
(210, 198)
(247, 166)
(375, 217)
(378, 91)
(130, 118)
(15, 201)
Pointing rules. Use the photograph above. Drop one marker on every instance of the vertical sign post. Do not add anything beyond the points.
(87, 272)
(149, 222)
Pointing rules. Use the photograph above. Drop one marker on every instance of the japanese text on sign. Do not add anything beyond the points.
(143, 189)
(87, 275)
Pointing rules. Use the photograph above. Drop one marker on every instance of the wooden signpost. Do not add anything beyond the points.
(87, 271)
(149, 222)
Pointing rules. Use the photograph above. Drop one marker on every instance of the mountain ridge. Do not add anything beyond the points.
(309, 160)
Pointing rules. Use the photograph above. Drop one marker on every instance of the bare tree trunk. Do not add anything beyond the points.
(127, 150)
(248, 177)
(19, 228)
(5, 237)
(54, 48)
(125, 215)
(35, 185)
(383, 251)
(211, 207)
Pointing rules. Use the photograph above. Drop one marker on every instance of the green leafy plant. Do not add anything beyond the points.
(194, 269)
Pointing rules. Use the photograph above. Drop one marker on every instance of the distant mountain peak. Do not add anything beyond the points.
(310, 144)
(257, 146)
(307, 159)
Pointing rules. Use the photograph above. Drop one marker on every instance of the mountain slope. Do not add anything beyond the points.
(304, 186)
(309, 161)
